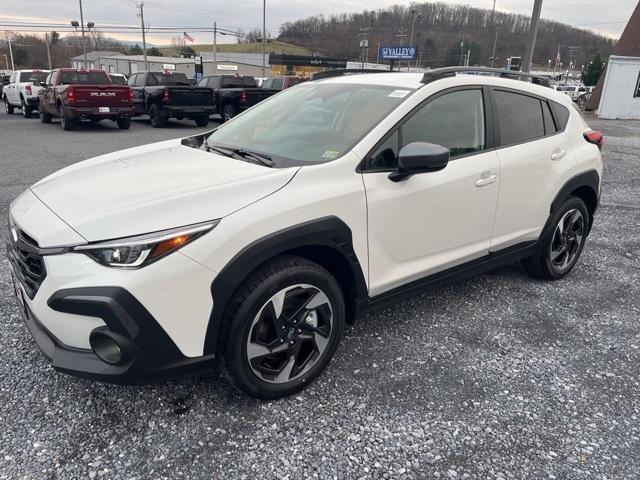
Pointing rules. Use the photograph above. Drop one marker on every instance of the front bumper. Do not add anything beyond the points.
(151, 355)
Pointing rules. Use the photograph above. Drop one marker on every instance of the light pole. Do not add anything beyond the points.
(11, 55)
(90, 25)
(413, 24)
(264, 35)
(84, 43)
(495, 38)
(531, 39)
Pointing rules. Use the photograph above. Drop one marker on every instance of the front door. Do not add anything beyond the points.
(436, 220)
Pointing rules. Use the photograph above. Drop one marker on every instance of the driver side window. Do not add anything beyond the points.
(454, 120)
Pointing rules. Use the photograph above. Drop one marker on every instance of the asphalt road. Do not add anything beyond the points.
(500, 376)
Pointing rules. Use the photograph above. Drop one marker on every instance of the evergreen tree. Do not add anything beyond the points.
(593, 70)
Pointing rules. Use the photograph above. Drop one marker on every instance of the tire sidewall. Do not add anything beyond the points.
(547, 237)
(235, 345)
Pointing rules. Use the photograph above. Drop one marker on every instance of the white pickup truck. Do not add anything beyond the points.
(22, 91)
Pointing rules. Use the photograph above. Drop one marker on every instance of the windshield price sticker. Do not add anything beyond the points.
(330, 154)
(399, 93)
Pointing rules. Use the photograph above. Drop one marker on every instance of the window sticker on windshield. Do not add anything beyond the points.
(399, 93)
(331, 154)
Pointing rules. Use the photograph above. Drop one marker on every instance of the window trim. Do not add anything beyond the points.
(489, 127)
(636, 92)
(498, 138)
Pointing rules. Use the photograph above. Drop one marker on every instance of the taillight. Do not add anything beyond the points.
(27, 89)
(243, 96)
(595, 137)
(165, 96)
(71, 95)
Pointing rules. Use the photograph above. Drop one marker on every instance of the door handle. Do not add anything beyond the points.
(558, 154)
(484, 181)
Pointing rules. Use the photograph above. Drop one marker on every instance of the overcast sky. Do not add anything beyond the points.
(608, 18)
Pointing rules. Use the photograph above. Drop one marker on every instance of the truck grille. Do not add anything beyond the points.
(28, 265)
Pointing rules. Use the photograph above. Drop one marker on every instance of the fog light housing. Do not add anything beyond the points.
(109, 347)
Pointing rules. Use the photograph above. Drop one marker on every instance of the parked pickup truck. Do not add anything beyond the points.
(234, 93)
(164, 95)
(22, 91)
(79, 94)
(282, 83)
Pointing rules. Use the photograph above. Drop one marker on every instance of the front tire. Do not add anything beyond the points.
(561, 242)
(202, 121)
(281, 328)
(8, 107)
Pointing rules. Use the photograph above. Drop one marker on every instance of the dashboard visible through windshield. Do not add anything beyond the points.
(310, 123)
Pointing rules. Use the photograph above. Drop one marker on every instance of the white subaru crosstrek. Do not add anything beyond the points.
(252, 245)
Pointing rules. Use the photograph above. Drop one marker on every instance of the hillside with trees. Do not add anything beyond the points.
(439, 30)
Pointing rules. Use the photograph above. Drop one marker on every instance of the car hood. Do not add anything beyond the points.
(156, 187)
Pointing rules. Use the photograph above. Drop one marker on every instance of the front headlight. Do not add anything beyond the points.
(141, 250)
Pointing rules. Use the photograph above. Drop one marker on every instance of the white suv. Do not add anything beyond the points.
(252, 245)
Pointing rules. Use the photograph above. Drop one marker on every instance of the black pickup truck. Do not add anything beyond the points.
(234, 93)
(164, 95)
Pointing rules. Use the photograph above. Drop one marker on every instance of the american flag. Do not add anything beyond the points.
(188, 37)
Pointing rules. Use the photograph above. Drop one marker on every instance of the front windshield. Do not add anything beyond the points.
(310, 123)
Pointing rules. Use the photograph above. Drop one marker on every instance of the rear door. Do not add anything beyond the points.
(432, 221)
(535, 156)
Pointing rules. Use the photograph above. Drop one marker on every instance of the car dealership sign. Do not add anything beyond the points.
(397, 52)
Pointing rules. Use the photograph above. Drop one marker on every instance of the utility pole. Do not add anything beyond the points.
(413, 24)
(461, 51)
(495, 39)
(46, 41)
(84, 43)
(144, 37)
(13, 68)
(531, 39)
(264, 36)
(215, 46)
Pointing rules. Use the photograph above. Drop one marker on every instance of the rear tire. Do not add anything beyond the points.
(124, 123)
(202, 121)
(67, 123)
(8, 107)
(228, 112)
(158, 119)
(281, 327)
(561, 242)
(26, 109)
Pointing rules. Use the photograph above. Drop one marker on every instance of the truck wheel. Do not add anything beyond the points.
(67, 123)
(202, 121)
(8, 107)
(228, 112)
(44, 116)
(124, 123)
(26, 109)
(158, 119)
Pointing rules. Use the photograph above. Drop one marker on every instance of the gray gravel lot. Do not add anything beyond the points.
(497, 377)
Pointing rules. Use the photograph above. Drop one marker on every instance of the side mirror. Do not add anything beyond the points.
(420, 157)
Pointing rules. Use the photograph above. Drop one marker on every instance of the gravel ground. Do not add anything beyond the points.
(496, 377)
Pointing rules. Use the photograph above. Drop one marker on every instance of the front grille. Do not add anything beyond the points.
(28, 265)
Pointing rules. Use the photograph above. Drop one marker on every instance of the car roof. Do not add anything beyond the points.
(414, 81)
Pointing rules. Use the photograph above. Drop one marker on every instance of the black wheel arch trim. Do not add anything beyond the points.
(327, 231)
(589, 179)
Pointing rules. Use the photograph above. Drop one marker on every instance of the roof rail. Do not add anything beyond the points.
(343, 72)
(440, 73)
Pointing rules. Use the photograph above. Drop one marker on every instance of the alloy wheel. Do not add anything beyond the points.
(289, 333)
(567, 240)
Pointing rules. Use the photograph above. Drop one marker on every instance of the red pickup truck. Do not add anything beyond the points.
(78, 94)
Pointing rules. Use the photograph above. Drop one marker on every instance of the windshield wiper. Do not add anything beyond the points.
(253, 157)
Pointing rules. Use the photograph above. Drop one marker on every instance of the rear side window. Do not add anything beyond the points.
(519, 117)
(560, 115)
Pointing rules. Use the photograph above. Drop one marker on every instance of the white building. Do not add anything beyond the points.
(621, 89)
